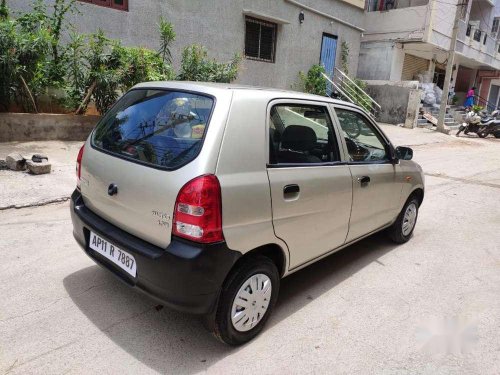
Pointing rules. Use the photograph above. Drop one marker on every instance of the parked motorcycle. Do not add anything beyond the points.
(490, 125)
(471, 124)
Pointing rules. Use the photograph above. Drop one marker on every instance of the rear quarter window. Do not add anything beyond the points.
(155, 127)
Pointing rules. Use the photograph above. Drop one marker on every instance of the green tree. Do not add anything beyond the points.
(167, 36)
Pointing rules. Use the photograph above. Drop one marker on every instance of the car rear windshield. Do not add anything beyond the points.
(155, 127)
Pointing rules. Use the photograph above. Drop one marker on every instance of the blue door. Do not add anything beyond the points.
(327, 57)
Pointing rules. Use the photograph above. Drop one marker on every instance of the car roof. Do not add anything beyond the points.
(210, 87)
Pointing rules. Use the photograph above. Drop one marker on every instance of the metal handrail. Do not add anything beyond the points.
(359, 88)
(358, 96)
(486, 102)
(348, 96)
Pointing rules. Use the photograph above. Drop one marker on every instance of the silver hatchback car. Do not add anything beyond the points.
(204, 196)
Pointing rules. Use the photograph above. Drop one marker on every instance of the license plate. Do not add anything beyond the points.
(119, 257)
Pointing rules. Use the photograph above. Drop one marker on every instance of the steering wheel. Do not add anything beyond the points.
(357, 152)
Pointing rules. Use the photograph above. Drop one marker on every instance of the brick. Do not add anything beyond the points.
(38, 168)
(15, 162)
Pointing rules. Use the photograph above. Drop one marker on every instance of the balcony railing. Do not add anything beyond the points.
(486, 45)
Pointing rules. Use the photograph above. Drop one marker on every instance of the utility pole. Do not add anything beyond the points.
(449, 70)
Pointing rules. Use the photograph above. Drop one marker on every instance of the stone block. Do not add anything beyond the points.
(15, 162)
(38, 168)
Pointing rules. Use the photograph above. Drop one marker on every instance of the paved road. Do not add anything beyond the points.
(431, 306)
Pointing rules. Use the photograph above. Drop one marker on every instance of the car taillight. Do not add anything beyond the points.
(198, 211)
(79, 166)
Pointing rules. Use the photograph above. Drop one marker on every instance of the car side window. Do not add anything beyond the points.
(364, 144)
(301, 134)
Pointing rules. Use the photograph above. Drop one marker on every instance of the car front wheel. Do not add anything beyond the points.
(246, 301)
(402, 229)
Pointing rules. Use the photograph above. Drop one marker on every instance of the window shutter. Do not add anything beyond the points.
(266, 42)
(252, 39)
(260, 39)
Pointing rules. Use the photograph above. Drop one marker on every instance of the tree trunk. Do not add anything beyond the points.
(28, 91)
(85, 101)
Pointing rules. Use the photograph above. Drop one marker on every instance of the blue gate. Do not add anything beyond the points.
(327, 57)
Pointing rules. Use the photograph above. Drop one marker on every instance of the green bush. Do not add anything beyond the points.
(313, 82)
(93, 67)
(24, 56)
(196, 66)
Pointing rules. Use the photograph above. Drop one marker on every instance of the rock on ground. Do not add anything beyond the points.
(15, 161)
(38, 168)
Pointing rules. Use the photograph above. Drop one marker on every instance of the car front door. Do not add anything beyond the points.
(376, 185)
(311, 187)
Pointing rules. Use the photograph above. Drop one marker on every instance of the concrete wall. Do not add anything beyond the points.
(22, 127)
(220, 26)
(381, 61)
(375, 60)
(401, 24)
(399, 101)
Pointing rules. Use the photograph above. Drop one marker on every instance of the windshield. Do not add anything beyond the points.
(155, 127)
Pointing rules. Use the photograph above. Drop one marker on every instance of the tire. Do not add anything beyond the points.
(497, 135)
(397, 233)
(482, 134)
(220, 322)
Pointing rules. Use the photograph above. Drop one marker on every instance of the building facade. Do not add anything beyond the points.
(405, 38)
(276, 38)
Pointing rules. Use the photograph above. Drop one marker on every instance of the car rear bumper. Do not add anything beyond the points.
(185, 276)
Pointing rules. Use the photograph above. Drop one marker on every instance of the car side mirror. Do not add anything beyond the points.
(404, 153)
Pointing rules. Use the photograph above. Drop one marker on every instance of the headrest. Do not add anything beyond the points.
(298, 138)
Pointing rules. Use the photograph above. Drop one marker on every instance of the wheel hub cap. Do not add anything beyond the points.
(409, 219)
(251, 302)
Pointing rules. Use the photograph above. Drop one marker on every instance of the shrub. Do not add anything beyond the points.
(23, 63)
(196, 66)
(32, 59)
(313, 82)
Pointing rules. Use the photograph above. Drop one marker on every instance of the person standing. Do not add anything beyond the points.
(469, 101)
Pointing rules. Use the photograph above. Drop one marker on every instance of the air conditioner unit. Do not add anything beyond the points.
(475, 24)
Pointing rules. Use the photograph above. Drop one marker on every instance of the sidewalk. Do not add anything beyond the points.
(20, 189)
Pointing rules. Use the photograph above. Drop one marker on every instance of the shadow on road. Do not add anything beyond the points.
(169, 341)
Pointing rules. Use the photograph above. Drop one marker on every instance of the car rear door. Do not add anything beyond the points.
(148, 146)
(376, 185)
(311, 187)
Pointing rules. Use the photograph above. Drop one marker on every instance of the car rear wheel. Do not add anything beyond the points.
(246, 301)
(402, 229)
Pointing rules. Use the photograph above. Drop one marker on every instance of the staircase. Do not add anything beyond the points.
(449, 118)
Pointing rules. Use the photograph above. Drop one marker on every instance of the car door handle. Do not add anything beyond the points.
(291, 191)
(364, 180)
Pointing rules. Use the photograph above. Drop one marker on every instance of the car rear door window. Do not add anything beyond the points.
(301, 134)
(155, 127)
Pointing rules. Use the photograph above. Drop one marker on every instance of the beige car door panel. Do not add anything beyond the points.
(311, 202)
(376, 179)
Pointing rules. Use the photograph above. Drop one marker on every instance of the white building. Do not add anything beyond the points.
(407, 37)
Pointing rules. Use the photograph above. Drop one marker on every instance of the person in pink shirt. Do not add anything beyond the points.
(469, 101)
